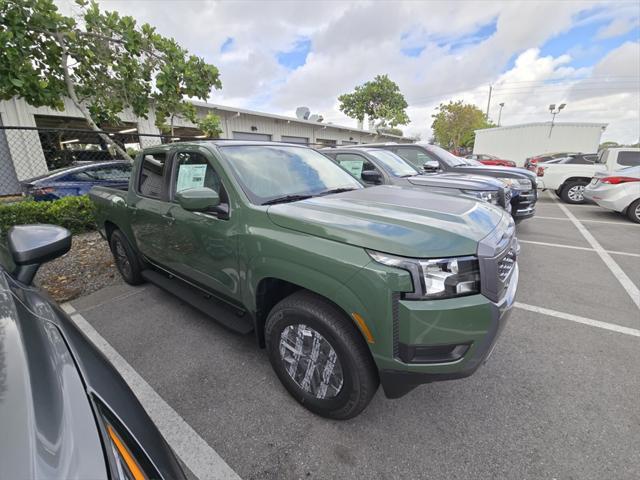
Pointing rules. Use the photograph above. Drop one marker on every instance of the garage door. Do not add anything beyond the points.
(290, 139)
(261, 137)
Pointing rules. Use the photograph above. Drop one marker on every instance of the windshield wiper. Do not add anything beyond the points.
(286, 199)
(337, 190)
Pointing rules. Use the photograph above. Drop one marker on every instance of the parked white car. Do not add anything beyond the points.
(619, 191)
(569, 180)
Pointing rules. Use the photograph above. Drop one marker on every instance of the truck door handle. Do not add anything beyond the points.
(169, 218)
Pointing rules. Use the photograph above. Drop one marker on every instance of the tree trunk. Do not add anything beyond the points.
(85, 112)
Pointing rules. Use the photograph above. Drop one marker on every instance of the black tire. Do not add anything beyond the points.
(125, 258)
(567, 193)
(633, 212)
(354, 362)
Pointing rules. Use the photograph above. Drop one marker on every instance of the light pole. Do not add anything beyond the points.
(500, 112)
(554, 112)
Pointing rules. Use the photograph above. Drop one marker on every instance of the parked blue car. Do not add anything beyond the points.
(78, 180)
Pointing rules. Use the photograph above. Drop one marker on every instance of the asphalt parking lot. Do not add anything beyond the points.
(559, 398)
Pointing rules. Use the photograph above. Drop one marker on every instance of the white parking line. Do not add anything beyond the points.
(626, 224)
(588, 249)
(578, 319)
(192, 449)
(622, 277)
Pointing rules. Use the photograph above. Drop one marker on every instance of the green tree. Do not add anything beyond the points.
(379, 99)
(104, 62)
(210, 125)
(608, 144)
(455, 123)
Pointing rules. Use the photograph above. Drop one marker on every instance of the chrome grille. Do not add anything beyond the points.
(507, 197)
(505, 265)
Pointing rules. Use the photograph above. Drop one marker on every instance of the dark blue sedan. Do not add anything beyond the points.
(78, 180)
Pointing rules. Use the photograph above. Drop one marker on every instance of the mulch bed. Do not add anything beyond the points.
(86, 268)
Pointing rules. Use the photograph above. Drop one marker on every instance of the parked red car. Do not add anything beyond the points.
(531, 162)
(491, 160)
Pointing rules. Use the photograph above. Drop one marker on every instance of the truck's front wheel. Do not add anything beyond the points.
(125, 258)
(320, 357)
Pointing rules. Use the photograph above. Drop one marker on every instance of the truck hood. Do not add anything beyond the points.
(492, 171)
(391, 219)
(456, 180)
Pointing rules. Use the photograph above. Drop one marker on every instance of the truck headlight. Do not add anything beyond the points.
(519, 183)
(490, 196)
(436, 278)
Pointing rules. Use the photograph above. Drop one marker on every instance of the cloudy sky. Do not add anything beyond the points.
(277, 55)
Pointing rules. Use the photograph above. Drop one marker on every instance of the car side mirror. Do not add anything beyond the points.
(32, 245)
(431, 166)
(198, 199)
(371, 176)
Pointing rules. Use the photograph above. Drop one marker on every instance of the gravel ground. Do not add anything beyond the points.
(86, 268)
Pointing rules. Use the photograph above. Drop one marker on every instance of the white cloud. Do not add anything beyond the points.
(354, 41)
(617, 27)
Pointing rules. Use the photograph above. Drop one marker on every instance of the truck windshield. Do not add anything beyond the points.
(448, 158)
(267, 173)
(395, 165)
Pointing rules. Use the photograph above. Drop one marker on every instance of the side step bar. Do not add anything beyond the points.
(227, 316)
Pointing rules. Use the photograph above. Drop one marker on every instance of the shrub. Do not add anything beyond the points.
(74, 213)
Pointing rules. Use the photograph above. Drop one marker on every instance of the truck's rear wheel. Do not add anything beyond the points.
(573, 192)
(125, 258)
(320, 357)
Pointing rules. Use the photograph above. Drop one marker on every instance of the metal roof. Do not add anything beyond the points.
(215, 106)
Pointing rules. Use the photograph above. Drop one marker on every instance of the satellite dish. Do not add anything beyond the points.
(303, 113)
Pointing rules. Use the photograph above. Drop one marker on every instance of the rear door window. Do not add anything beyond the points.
(152, 175)
(629, 159)
(414, 156)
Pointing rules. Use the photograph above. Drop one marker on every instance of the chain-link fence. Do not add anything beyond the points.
(26, 152)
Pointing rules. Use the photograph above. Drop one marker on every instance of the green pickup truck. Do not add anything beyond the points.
(347, 287)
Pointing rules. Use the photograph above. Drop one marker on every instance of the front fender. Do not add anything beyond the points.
(313, 263)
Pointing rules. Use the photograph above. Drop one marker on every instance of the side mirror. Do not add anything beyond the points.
(371, 176)
(431, 166)
(198, 199)
(32, 245)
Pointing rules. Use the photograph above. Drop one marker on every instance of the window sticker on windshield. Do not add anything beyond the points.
(191, 176)
(354, 167)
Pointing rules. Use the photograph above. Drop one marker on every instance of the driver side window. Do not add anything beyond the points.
(355, 164)
(194, 171)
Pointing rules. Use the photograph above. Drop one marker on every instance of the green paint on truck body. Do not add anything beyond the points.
(320, 244)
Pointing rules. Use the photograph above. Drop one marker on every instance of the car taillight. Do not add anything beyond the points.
(617, 180)
(540, 172)
(534, 160)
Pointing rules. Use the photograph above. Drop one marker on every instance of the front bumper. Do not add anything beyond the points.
(524, 204)
(444, 339)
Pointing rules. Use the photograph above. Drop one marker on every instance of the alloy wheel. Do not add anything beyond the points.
(311, 361)
(122, 259)
(576, 193)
